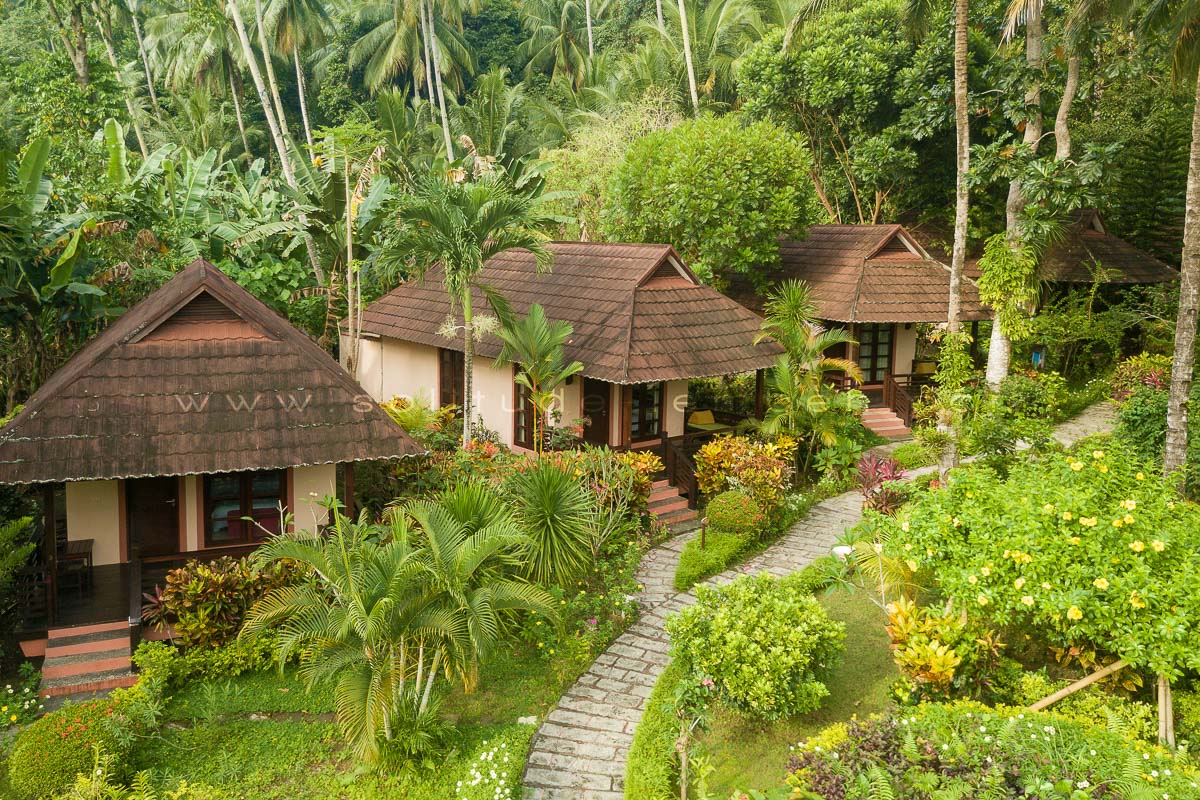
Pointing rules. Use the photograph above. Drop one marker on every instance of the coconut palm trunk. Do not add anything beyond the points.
(269, 65)
(1000, 346)
(104, 26)
(237, 110)
(468, 366)
(962, 198)
(1184, 361)
(145, 59)
(659, 12)
(587, 11)
(687, 56)
(437, 76)
(300, 89)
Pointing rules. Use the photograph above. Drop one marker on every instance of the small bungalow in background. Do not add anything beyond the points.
(880, 283)
(188, 429)
(1087, 253)
(643, 326)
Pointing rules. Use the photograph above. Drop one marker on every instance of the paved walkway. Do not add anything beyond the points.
(579, 752)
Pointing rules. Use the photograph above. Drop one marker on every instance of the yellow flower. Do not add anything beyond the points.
(957, 522)
(912, 565)
(1103, 467)
(1048, 507)
(985, 571)
(1116, 523)
(1100, 583)
(1097, 454)
(1046, 585)
(1141, 476)
(541, 644)
(1027, 600)
(904, 526)
(971, 579)
(1018, 583)
(1128, 519)
(1135, 600)
(1074, 540)
(983, 600)
(1129, 505)
(1158, 545)
(1087, 522)
(551, 651)
(1137, 546)
(1074, 612)
(1067, 516)
(1077, 465)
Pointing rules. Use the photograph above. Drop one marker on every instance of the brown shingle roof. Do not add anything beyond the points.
(866, 273)
(639, 315)
(1086, 243)
(198, 377)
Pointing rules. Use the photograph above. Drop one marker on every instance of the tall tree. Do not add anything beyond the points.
(72, 32)
(298, 26)
(269, 66)
(104, 13)
(459, 225)
(687, 55)
(431, 19)
(135, 9)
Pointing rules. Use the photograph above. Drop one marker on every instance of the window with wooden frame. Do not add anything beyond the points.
(232, 497)
(645, 419)
(523, 417)
(451, 378)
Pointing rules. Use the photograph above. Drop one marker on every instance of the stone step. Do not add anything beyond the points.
(86, 665)
(100, 682)
(87, 630)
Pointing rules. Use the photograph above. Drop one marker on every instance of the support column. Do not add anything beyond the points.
(760, 393)
(50, 551)
(626, 416)
(348, 487)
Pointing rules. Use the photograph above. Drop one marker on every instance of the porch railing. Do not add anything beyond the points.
(679, 465)
(899, 391)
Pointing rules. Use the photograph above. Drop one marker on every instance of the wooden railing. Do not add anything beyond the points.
(897, 398)
(679, 465)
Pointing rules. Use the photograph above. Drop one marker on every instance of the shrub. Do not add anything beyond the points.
(1187, 716)
(734, 512)
(760, 469)
(209, 600)
(495, 770)
(652, 766)
(100, 784)
(1148, 369)
(721, 548)
(914, 455)
(20, 704)
(49, 753)
(765, 642)
(1033, 395)
(553, 510)
(1093, 705)
(970, 750)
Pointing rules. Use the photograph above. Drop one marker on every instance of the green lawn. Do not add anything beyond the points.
(750, 754)
(297, 750)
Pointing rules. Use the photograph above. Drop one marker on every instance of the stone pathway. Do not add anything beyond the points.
(579, 752)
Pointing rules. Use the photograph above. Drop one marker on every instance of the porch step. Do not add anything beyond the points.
(884, 422)
(87, 658)
(675, 519)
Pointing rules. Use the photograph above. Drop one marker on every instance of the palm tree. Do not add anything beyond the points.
(104, 14)
(459, 225)
(555, 39)
(298, 26)
(687, 55)
(535, 344)
(135, 10)
(719, 34)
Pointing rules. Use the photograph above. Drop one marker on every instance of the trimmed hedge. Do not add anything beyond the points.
(720, 550)
(652, 768)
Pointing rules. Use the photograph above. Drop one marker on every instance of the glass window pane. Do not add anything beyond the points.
(224, 486)
(226, 522)
(267, 484)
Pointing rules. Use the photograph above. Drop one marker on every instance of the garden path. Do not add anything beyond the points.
(580, 749)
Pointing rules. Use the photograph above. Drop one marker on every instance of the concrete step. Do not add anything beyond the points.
(674, 518)
(667, 507)
(87, 630)
(86, 650)
(86, 666)
(101, 682)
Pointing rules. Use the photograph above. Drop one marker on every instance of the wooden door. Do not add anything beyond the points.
(597, 406)
(875, 352)
(152, 506)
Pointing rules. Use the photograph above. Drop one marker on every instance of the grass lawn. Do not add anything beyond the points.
(752, 754)
(298, 752)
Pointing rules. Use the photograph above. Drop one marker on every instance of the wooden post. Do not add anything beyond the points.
(626, 416)
(348, 480)
(50, 551)
(760, 393)
(1083, 682)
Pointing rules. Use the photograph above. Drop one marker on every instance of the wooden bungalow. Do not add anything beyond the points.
(643, 326)
(880, 283)
(189, 428)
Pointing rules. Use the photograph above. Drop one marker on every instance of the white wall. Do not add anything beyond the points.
(494, 399)
(370, 366)
(311, 485)
(906, 349)
(94, 512)
(408, 370)
(193, 511)
(675, 405)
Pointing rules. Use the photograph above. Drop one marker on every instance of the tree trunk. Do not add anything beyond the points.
(241, 122)
(1166, 713)
(687, 56)
(587, 11)
(468, 366)
(658, 11)
(427, 36)
(1062, 127)
(73, 34)
(285, 161)
(352, 337)
(437, 76)
(104, 27)
(141, 45)
(1175, 456)
(1000, 350)
(300, 85)
(268, 62)
(962, 166)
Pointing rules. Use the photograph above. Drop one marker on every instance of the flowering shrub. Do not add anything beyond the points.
(49, 753)
(765, 642)
(495, 771)
(1148, 369)
(761, 469)
(1133, 719)
(1090, 549)
(970, 750)
(735, 512)
(208, 600)
(1033, 395)
(20, 704)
